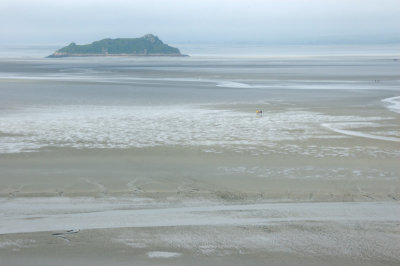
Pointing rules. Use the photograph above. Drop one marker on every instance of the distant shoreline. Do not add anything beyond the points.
(116, 55)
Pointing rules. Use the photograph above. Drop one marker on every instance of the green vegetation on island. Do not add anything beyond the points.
(148, 45)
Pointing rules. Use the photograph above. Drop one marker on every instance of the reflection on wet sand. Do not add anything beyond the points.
(165, 161)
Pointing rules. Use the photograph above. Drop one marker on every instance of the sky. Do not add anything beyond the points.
(201, 21)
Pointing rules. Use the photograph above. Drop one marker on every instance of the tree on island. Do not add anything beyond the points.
(147, 45)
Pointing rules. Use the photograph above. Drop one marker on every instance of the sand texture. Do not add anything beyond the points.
(164, 161)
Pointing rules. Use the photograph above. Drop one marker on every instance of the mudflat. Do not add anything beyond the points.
(165, 161)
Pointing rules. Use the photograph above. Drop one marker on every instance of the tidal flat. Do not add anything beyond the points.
(150, 161)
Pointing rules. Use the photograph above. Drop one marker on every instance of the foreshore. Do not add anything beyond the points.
(174, 232)
(217, 208)
(62, 55)
(166, 162)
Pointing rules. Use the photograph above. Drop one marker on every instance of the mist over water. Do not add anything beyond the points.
(228, 50)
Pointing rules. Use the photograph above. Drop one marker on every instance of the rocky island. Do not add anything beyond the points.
(148, 45)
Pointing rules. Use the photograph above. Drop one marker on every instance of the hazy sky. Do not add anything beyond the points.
(201, 21)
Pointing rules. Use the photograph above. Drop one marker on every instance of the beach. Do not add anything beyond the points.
(164, 161)
(142, 231)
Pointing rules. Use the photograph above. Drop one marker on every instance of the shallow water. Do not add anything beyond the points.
(88, 126)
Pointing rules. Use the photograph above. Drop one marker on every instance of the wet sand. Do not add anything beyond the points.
(166, 162)
(148, 232)
(193, 173)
